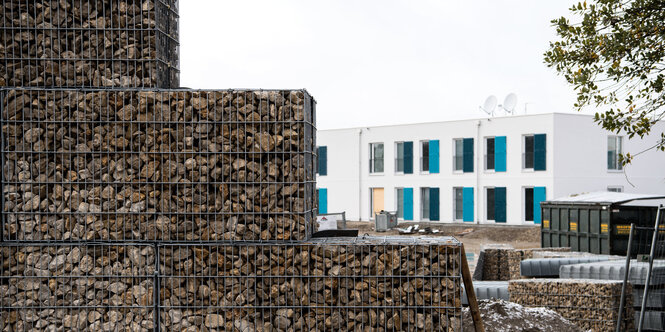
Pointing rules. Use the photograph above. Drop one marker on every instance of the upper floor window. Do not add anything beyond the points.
(489, 153)
(424, 156)
(463, 154)
(404, 157)
(534, 152)
(376, 158)
(322, 155)
(614, 150)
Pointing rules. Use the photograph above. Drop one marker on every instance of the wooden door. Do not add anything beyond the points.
(377, 201)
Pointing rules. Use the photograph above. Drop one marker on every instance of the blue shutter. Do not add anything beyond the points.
(323, 200)
(467, 155)
(467, 204)
(323, 160)
(539, 195)
(500, 204)
(434, 204)
(408, 203)
(408, 157)
(539, 152)
(500, 153)
(434, 156)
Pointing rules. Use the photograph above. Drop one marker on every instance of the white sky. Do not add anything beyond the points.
(378, 62)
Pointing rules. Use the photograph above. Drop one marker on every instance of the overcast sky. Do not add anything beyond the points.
(378, 62)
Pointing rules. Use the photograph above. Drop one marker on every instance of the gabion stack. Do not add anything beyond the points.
(130, 204)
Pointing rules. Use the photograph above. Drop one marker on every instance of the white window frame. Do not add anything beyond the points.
(455, 140)
(396, 157)
(422, 206)
(485, 154)
(372, 171)
(422, 157)
(617, 139)
(524, 188)
(486, 204)
(524, 168)
(397, 189)
(454, 218)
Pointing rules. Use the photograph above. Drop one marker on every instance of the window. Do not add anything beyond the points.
(534, 152)
(463, 154)
(424, 203)
(496, 204)
(615, 189)
(404, 200)
(463, 203)
(424, 156)
(404, 157)
(614, 150)
(400, 203)
(495, 153)
(532, 198)
(489, 156)
(322, 155)
(429, 204)
(458, 203)
(399, 157)
(376, 158)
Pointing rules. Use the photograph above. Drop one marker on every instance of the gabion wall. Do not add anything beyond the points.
(176, 165)
(344, 284)
(98, 43)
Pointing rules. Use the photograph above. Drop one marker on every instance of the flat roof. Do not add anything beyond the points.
(612, 198)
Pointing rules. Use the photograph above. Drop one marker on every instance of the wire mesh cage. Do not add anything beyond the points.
(588, 303)
(153, 165)
(386, 284)
(77, 287)
(116, 43)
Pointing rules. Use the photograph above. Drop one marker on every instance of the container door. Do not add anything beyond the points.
(377, 201)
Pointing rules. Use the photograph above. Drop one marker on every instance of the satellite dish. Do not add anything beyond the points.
(509, 103)
(490, 105)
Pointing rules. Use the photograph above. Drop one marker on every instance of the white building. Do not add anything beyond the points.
(484, 171)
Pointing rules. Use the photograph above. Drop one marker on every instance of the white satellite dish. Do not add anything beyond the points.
(489, 106)
(509, 103)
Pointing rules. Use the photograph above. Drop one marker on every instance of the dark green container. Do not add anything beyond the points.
(598, 223)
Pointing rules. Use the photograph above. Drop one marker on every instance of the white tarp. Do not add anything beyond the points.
(327, 222)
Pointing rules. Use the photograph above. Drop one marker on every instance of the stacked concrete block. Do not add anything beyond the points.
(92, 43)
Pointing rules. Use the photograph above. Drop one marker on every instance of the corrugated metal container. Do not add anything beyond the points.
(597, 222)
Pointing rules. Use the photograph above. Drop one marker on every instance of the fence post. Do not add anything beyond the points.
(625, 278)
(648, 280)
(156, 287)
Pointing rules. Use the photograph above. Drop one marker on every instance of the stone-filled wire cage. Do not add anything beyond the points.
(157, 165)
(344, 284)
(98, 43)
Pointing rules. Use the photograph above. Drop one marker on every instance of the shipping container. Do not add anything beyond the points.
(597, 222)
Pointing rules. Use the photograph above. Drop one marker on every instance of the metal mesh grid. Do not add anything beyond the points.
(110, 43)
(315, 286)
(144, 165)
(590, 304)
(349, 285)
(74, 287)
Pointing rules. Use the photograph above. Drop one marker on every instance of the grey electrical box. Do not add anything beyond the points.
(384, 221)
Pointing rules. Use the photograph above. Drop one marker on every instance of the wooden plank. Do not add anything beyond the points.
(471, 294)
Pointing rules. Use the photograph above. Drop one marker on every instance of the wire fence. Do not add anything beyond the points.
(112, 43)
(162, 165)
(347, 284)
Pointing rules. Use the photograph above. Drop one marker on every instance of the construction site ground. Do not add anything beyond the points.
(471, 235)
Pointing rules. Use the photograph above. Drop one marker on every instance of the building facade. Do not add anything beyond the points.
(490, 170)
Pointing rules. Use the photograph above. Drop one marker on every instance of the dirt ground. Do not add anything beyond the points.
(472, 236)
